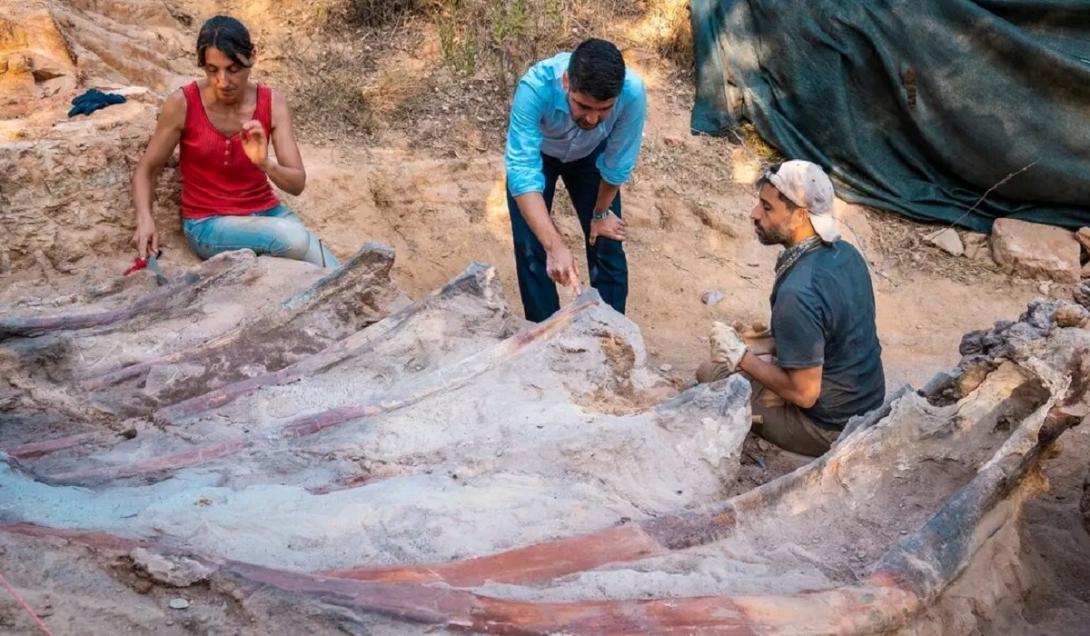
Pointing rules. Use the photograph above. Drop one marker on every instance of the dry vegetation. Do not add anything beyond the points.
(437, 76)
(465, 57)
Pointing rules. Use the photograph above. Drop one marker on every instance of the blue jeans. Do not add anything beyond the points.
(605, 259)
(276, 232)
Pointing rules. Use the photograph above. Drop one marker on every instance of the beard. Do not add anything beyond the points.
(770, 236)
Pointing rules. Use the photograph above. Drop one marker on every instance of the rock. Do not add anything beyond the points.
(711, 298)
(976, 245)
(947, 240)
(138, 93)
(942, 385)
(177, 571)
(1081, 293)
(37, 57)
(178, 603)
(1033, 250)
(80, 170)
(666, 368)
(673, 141)
(1068, 315)
(1084, 504)
(972, 343)
(1038, 314)
(1083, 237)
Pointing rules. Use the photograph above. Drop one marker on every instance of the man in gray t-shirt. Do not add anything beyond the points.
(828, 364)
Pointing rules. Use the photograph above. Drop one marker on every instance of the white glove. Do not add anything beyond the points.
(727, 347)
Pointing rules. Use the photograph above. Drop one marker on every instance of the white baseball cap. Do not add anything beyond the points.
(807, 186)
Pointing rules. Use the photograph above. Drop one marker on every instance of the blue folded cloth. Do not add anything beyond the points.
(93, 100)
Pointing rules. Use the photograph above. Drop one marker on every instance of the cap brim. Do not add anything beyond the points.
(825, 226)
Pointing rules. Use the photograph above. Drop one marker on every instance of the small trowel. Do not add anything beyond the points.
(153, 265)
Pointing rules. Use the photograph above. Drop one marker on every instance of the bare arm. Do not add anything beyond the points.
(558, 262)
(606, 193)
(287, 170)
(168, 130)
(800, 387)
(532, 207)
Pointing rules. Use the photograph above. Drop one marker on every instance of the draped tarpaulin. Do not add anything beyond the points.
(916, 106)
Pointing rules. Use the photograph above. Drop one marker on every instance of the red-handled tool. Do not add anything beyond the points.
(150, 262)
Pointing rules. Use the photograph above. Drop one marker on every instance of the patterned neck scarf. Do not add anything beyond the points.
(787, 258)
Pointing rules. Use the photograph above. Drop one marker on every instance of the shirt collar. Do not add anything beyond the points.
(560, 97)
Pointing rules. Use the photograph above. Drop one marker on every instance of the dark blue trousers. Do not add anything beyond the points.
(605, 259)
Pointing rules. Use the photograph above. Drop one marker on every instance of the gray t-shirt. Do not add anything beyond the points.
(823, 315)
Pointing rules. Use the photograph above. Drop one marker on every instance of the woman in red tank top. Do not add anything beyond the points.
(223, 124)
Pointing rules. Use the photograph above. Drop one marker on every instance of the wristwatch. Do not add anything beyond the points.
(601, 216)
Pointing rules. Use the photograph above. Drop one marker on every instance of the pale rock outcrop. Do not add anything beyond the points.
(1033, 250)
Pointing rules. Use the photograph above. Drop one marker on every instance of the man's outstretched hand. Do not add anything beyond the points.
(560, 266)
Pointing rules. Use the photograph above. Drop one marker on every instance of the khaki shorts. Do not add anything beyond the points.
(783, 424)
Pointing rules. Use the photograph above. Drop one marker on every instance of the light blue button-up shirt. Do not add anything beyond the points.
(541, 122)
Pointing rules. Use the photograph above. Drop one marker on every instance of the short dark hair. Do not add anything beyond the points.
(773, 169)
(597, 69)
(229, 36)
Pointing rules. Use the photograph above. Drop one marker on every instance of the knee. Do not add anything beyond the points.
(610, 253)
(291, 240)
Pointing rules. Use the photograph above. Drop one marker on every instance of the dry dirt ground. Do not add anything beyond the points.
(425, 176)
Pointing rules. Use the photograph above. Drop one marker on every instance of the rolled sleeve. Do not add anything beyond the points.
(618, 160)
(522, 158)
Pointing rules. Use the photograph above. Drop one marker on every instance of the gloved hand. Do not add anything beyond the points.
(758, 338)
(727, 347)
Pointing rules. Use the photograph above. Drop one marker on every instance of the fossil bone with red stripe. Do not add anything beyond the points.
(447, 464)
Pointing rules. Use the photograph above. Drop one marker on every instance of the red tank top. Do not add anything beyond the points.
(217, 178)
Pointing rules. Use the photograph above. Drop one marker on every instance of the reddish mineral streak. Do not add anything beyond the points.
(873, 606)
(38, 325)
(540, 562)
(38, 449)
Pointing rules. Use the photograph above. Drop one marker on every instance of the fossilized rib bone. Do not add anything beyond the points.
(476, 276)
(352, 297)
(437, 382)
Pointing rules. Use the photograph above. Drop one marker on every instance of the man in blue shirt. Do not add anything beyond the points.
(578, 117)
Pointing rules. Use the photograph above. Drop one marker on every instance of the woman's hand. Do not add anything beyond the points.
(146, 236)
(255, 143)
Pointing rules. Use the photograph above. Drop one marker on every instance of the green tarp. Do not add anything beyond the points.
(915, 106)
